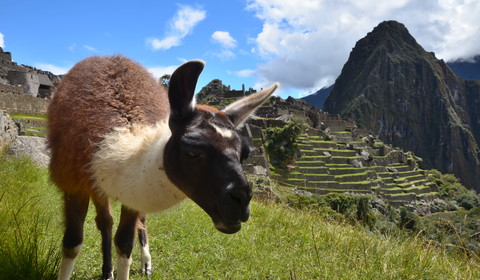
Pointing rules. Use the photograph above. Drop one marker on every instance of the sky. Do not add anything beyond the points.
(303, 44)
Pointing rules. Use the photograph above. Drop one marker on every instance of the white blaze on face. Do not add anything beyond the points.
(224, 132)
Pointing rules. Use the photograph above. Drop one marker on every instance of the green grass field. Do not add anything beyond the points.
(276, 243)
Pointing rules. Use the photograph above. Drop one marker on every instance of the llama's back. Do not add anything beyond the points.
(97, 95)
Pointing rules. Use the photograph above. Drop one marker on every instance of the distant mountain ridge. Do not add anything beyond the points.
(466, 69)
(318, 98)
(395, 89)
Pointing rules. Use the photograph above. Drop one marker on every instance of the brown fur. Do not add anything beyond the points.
(100, 93)
(203, 107)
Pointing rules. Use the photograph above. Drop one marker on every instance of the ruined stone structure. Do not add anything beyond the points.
(232, 93)
(22, 79)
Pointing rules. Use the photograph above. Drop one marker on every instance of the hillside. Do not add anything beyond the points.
(395, 89)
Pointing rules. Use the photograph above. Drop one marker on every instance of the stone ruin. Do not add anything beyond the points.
(22, 79)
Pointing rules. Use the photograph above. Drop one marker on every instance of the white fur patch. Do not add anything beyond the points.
(67, 265)
(224, 132)
(146, 259)
(129, 167)
(123, 267)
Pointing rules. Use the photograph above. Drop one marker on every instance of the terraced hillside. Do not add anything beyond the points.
(338, 163)
(336, 157)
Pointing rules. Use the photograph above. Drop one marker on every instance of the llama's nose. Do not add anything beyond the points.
(242, 194)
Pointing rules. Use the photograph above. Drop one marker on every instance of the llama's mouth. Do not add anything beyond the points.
(228, 228)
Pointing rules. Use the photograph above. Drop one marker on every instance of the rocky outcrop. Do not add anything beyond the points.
(8, 130)
(31, 146)
(395, 89)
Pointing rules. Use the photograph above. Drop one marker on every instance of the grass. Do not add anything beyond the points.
(30, 226)
(276, 243)
(28, 117)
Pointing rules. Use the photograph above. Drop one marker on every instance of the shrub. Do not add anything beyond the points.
(408, 219)
(26, 249)
(468, 200)
(281, 143)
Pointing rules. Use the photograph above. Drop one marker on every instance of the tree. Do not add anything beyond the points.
(281, 143)
(165, 80)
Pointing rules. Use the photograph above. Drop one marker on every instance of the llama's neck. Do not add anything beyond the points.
(129, 167)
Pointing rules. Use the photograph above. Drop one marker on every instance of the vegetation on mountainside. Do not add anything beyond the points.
(276, 243)
(281, 143)
(212, 93)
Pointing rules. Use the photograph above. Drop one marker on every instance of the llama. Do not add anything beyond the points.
(115, 132)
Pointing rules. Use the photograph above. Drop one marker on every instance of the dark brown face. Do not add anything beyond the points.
(203, 159)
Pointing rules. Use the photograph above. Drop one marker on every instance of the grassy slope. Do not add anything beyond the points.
(276, 243)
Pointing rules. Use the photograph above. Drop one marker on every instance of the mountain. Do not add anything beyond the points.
(395, 89)
(318, 98)
(466, 69)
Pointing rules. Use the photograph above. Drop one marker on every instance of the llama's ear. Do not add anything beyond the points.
(240, 110)
(181, 90)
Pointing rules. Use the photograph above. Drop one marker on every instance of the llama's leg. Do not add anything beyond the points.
(124, 239)
(143, 238)
(75, 207)
(104, 224)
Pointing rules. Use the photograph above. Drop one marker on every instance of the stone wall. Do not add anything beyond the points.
(20, 103)
(5, 56)
(16, 89)
(8, 130)
(29, 81)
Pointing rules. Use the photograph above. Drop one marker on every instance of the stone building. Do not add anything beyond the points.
(17, 79)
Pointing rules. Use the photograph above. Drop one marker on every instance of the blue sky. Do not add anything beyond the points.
(300, 43)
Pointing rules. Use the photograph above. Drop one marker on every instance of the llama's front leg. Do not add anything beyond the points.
(145, 251)
(124, 239)
(104, 223)
(75, 210)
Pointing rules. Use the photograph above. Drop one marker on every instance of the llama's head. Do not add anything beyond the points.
(204, 154)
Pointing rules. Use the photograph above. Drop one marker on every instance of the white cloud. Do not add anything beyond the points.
(159, 71)
(224, 39)
(164, 44)
(307, 44)
(181, 25)
(224, 54)
(2, 41)
(57, 70)
(91, 49)
(245, 73)
(227, 44)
